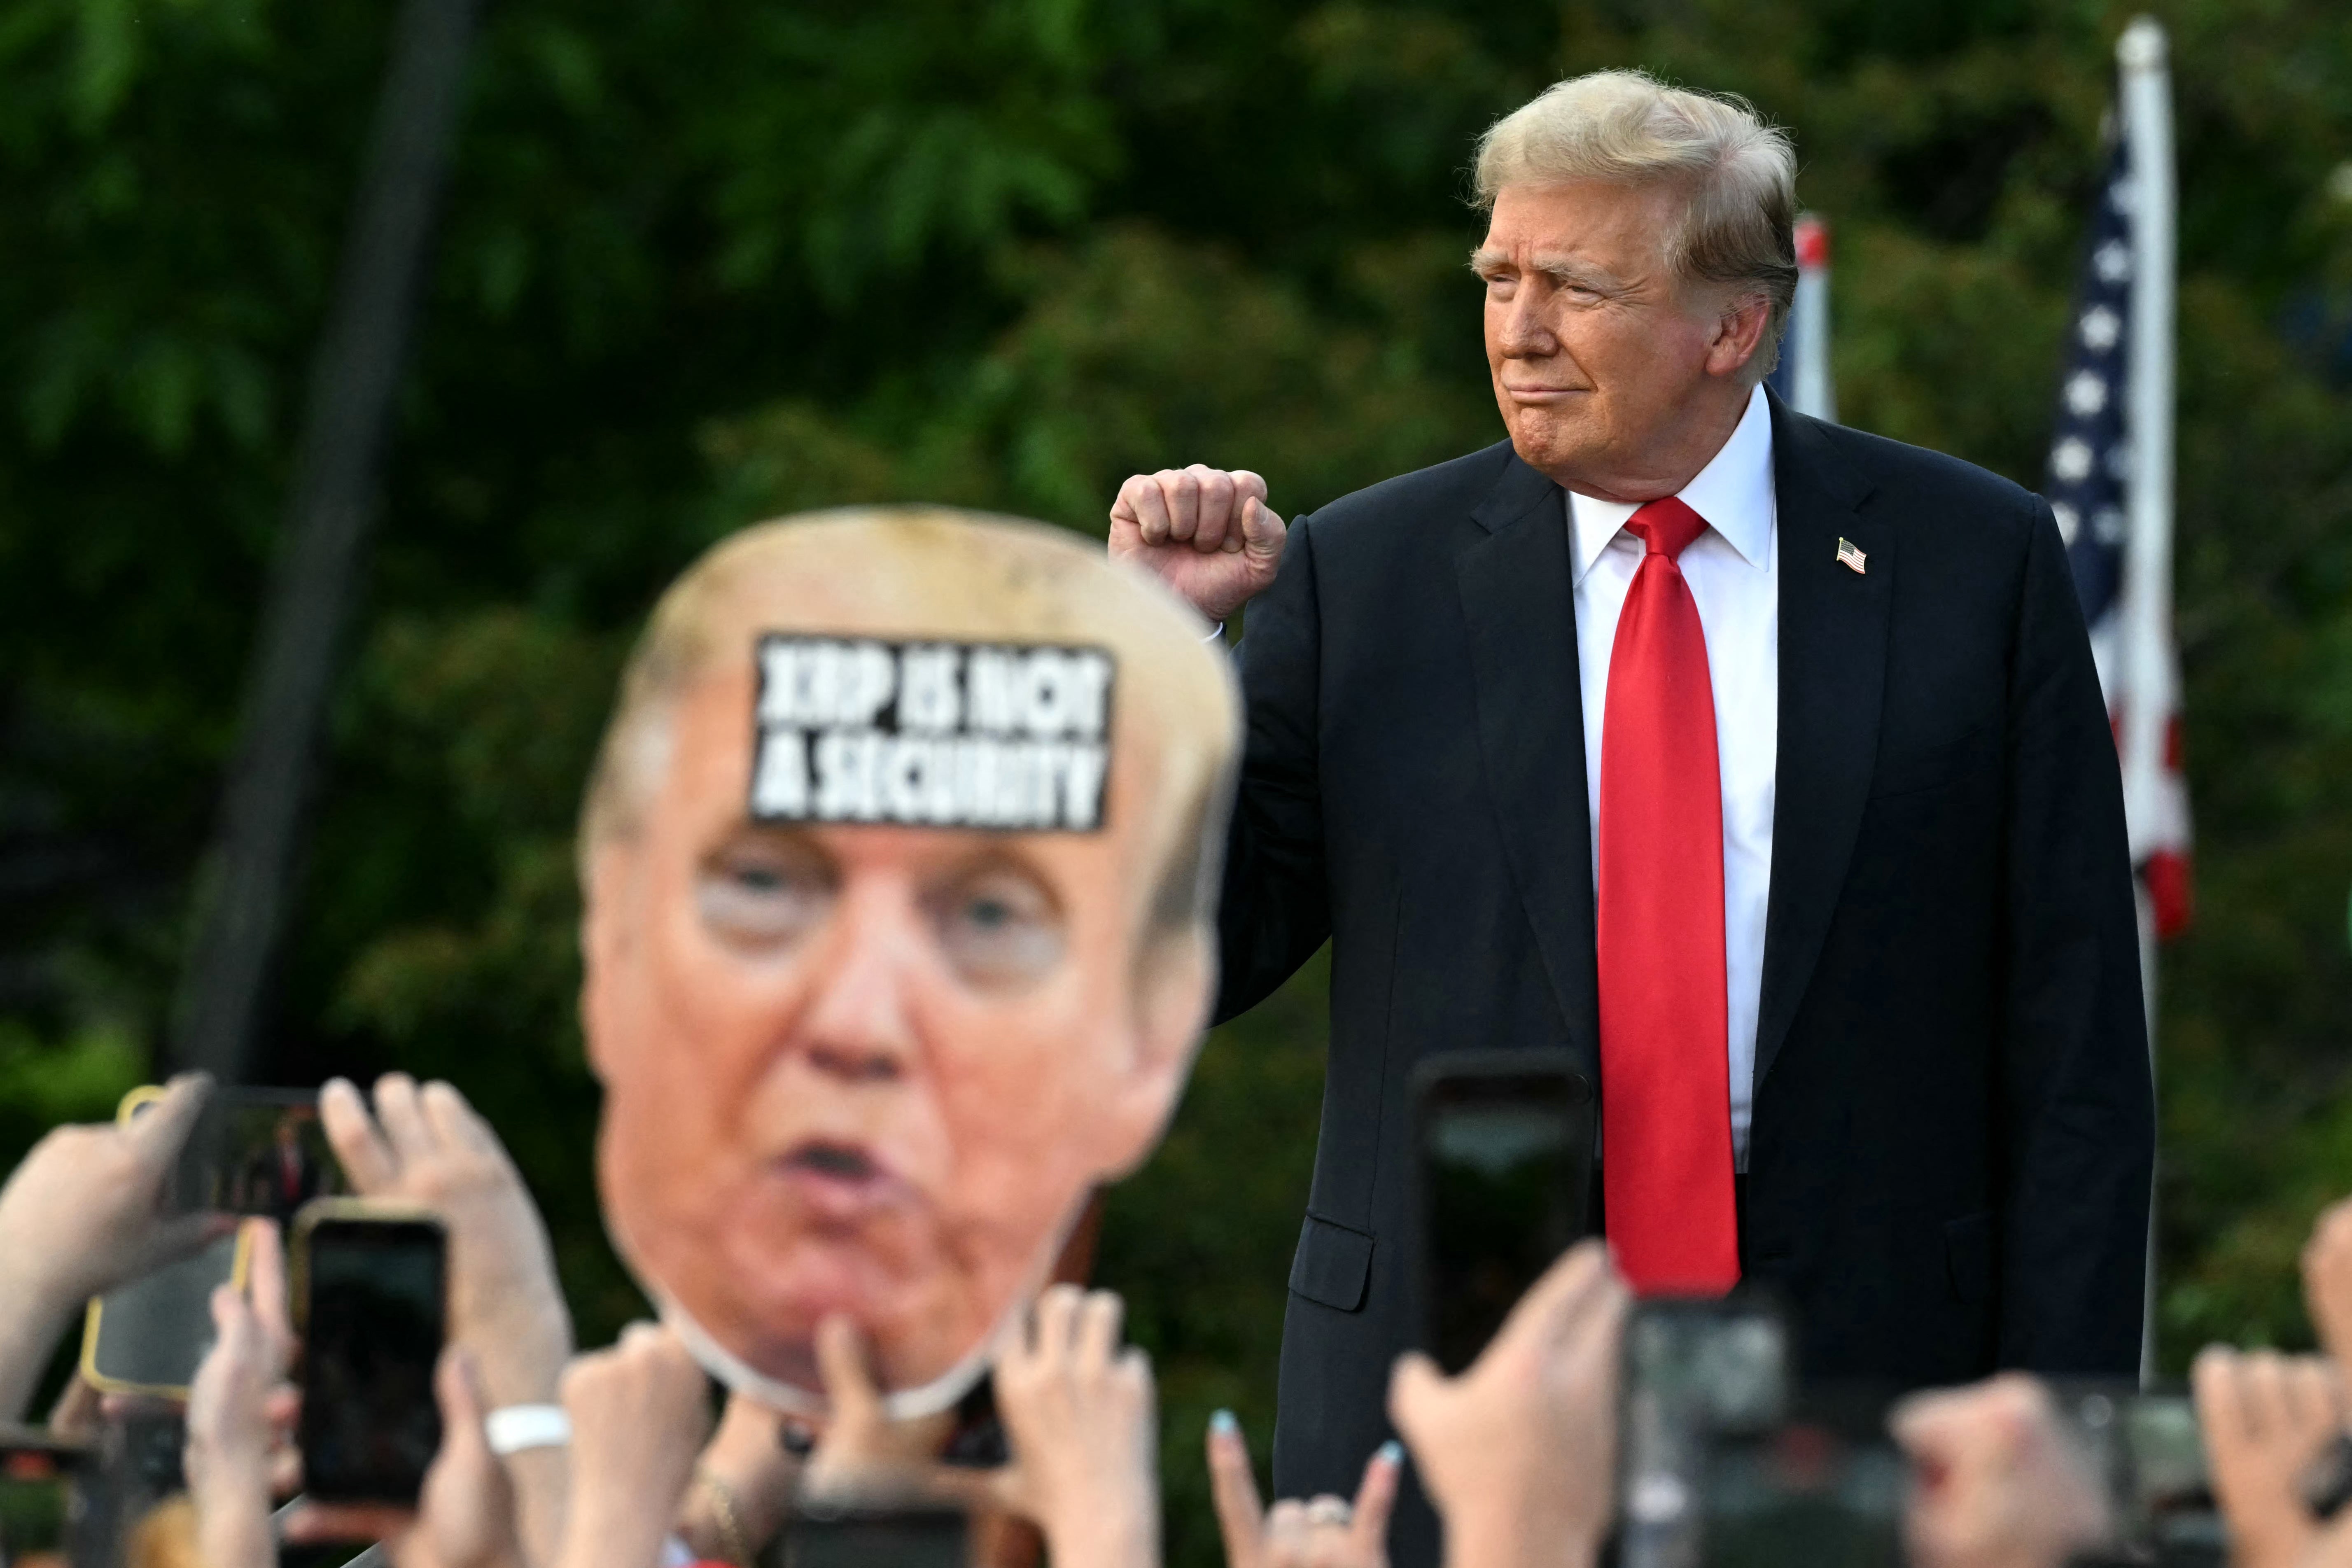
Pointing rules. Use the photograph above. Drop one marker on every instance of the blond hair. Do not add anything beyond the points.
(936, 573)
(1627, 128)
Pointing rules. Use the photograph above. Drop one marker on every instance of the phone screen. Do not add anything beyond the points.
(1802, 1493)
(1694, 1373)
(375, 1293)
(256, 1151)
(925, 1535)
(1506, 1144)
(1716, 1365)
(149, 1336)
(2146, 1451)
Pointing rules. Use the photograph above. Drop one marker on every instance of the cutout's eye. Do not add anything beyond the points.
(765, 891)
(998, 927)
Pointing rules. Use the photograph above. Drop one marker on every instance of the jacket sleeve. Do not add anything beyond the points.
(2077, 1101)
(1276, 909)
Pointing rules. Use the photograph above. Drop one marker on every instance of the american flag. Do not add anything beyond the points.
(2090, 468)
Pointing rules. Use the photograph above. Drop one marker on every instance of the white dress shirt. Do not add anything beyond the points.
(1734, 573)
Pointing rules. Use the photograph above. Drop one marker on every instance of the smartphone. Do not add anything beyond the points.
(1803, 1492)
(148, 1336)
(47, 1515)
(874, 1534)
(1694, 1374)
(2146, 1451)
(371, 1289)
(1505, 1143)
(255, 1151)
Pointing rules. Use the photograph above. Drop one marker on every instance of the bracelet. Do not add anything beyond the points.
(512, 1428)
(733, 1547)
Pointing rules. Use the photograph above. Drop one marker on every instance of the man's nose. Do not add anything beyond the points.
(1524, 332)
(858, 1030)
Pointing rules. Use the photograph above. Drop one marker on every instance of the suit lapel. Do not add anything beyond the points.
(1833, 625)
(1518, 605)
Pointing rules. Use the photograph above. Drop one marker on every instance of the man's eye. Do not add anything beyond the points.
(760, 898)
(1001, 930)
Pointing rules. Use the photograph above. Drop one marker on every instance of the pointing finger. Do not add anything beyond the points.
(1233, 1485)
(1375, 1497)
(848, 1386)
(265, 1279)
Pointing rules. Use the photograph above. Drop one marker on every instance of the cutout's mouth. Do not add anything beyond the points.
(841, 1182)
(839, 1161)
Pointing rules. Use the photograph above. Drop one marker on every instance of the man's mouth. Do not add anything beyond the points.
(839, 1182)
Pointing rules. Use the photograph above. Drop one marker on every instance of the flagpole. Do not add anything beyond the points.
(2148, 673)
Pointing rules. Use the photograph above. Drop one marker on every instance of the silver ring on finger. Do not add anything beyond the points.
(1330, 1510)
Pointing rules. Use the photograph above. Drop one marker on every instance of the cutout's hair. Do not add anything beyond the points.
(1738, 174)
(933, 574)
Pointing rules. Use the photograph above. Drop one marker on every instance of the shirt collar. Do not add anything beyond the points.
(1733, 492)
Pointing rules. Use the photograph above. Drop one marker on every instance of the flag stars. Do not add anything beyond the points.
(2101, 329)
(2086, 392)
(2070, 521)
(2108, 525)
(2112, 261)
(2071, 460)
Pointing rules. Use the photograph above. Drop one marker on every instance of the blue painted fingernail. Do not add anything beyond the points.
(1223, 1424)
(1393, 1451)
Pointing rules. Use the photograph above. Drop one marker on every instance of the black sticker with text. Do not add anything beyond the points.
(934, 734)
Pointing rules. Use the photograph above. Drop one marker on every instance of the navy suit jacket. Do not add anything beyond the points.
(1953, 1130)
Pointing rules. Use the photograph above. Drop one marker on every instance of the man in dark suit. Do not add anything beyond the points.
(1759, 763)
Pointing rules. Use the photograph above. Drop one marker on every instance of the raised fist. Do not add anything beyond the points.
(1206, 532)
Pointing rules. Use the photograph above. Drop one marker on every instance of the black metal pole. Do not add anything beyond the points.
(244, 883)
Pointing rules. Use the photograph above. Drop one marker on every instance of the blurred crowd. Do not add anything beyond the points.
(626, 1457)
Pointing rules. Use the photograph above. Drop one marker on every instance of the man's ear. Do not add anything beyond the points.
(1176, 984)
(1738, 333)
(605, 937)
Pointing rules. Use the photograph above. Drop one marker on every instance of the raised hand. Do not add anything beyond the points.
(1997, 1485)
(239, 1411)
(1206, 532)
(426, 1145)
(1520, 1452)
(465, 1516)
(861, 1450)
(1326, 1531)
(2327, 1281)
(1082, 1416)
(640, 1413)
(80, 1215)
(2264, 1418)
(743, 1485)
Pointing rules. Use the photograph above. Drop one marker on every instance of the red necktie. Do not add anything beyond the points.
(1665, 1097)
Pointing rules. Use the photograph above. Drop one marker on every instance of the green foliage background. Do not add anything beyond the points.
(706, 263)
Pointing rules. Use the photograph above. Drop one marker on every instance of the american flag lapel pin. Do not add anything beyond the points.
(1849, 556)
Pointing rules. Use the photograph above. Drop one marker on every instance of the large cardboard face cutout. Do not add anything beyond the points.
(882, 975)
